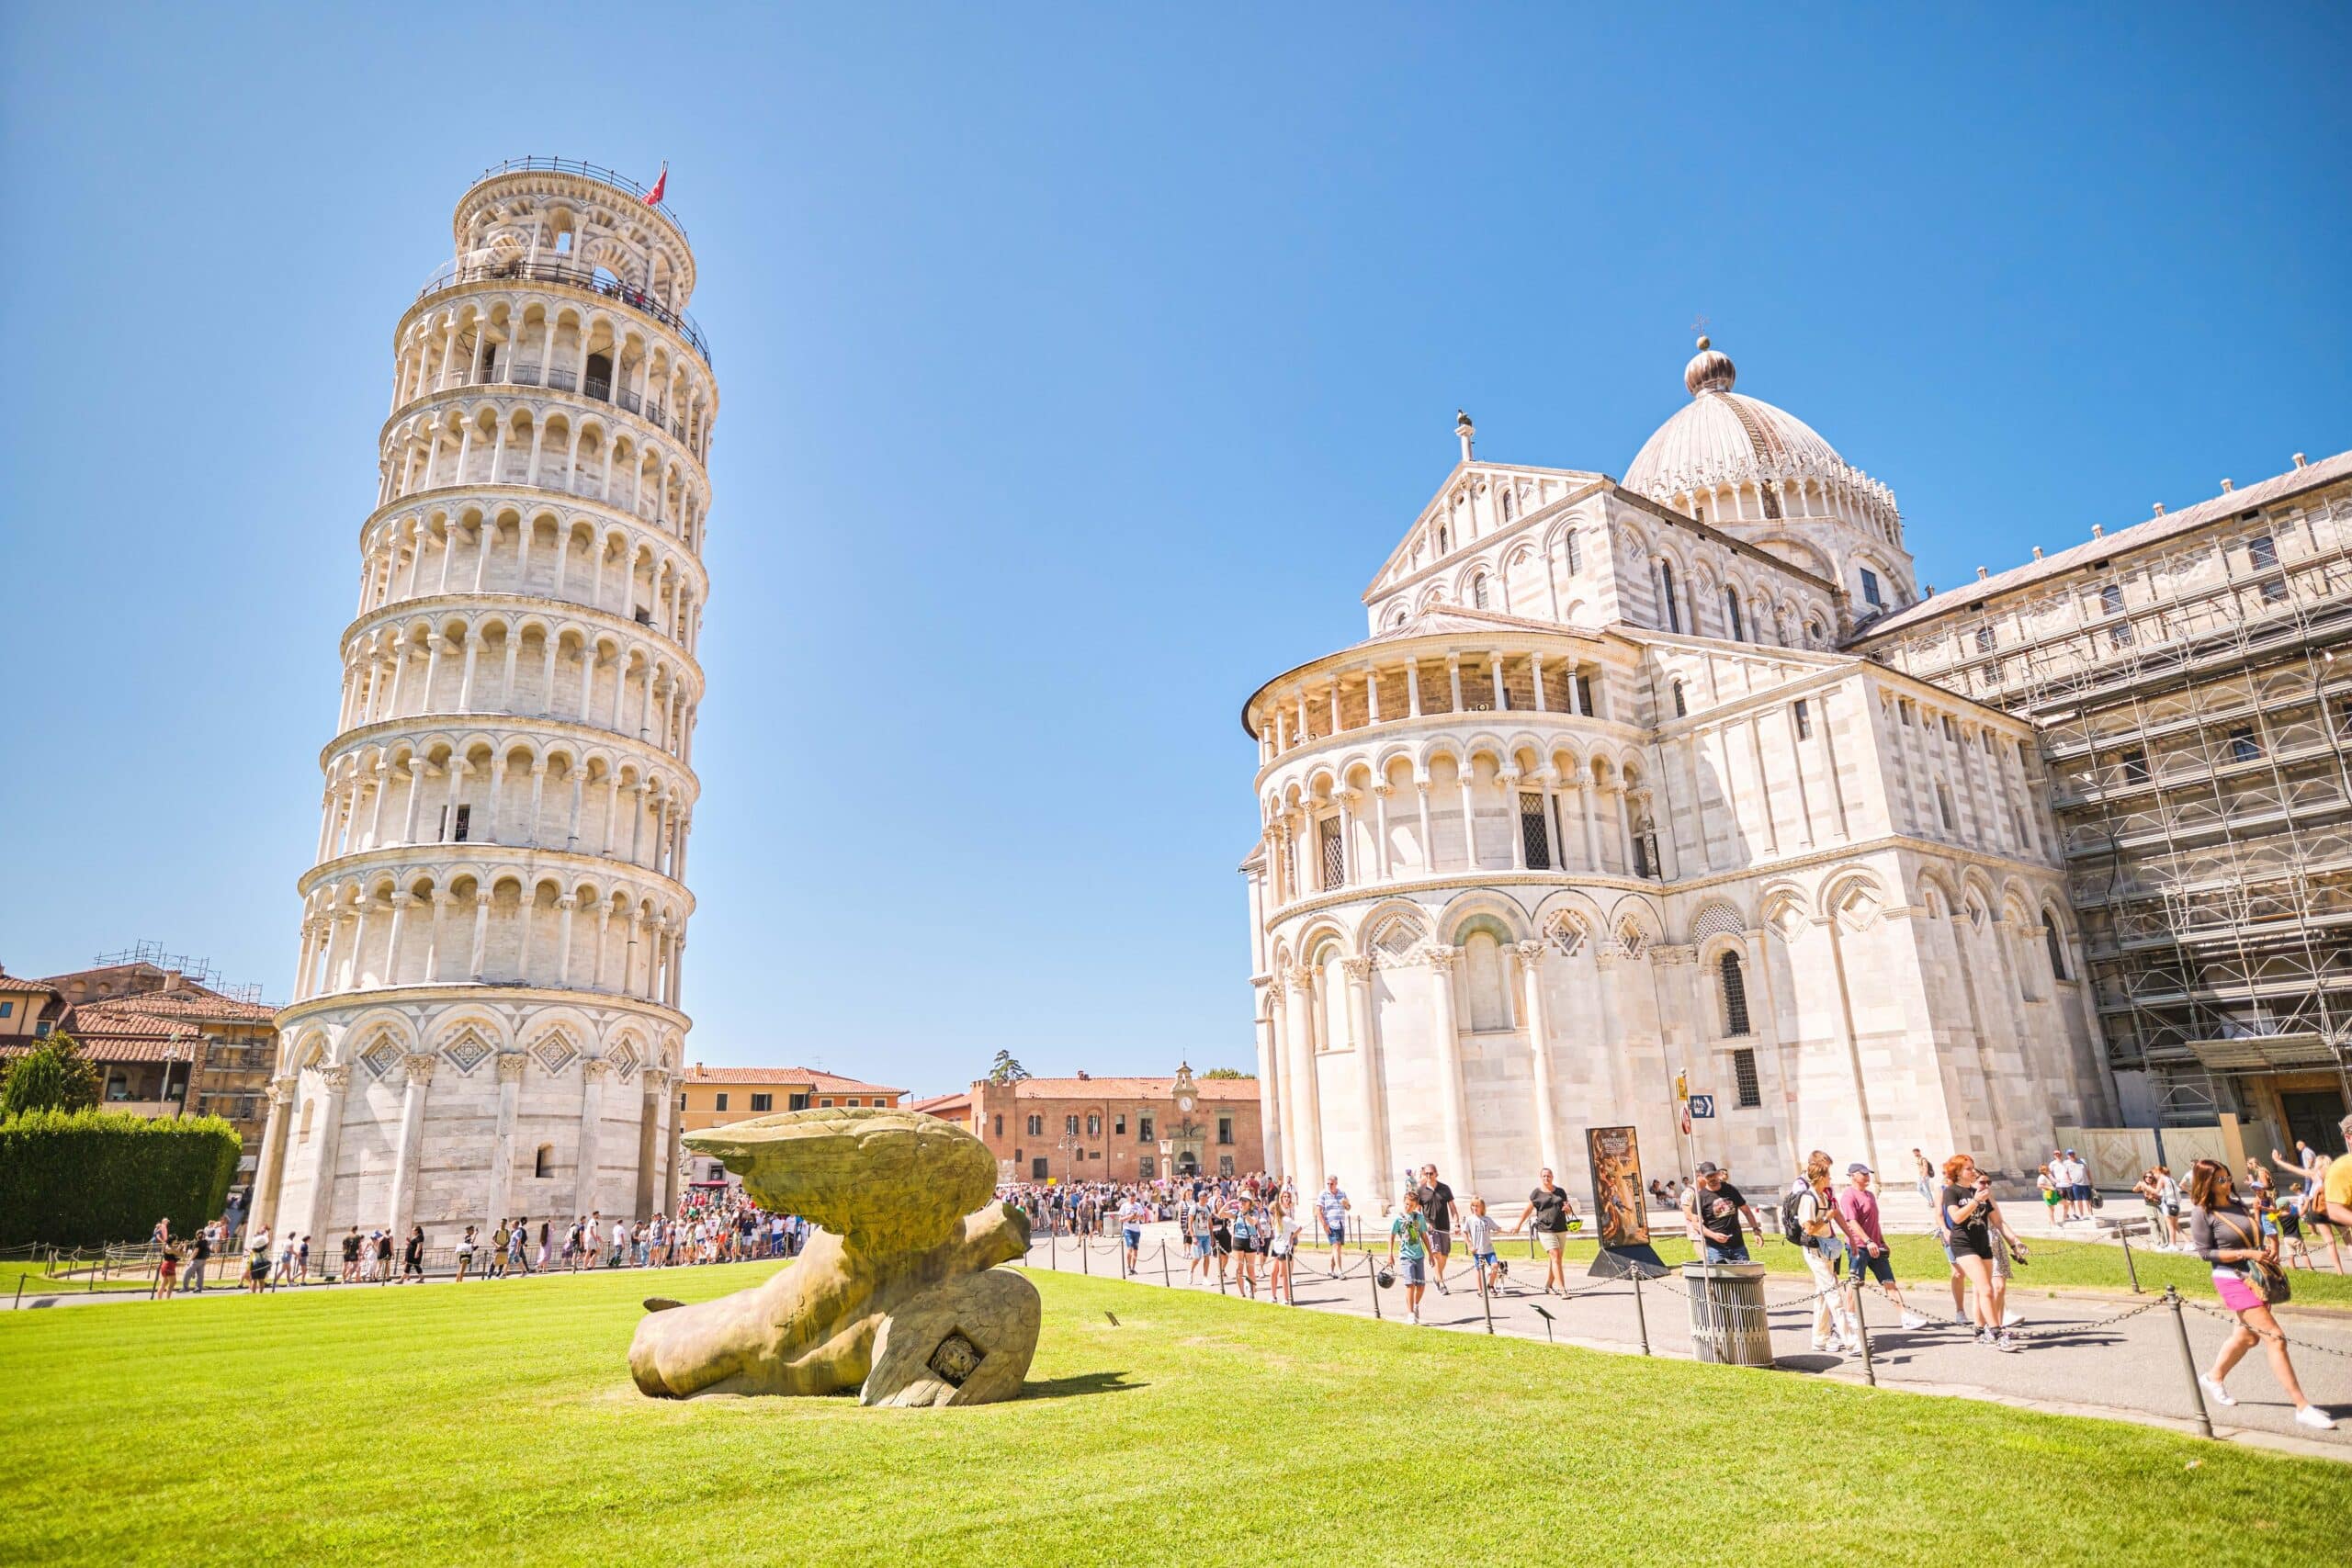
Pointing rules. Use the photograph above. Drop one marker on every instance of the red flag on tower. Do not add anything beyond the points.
(653, 197)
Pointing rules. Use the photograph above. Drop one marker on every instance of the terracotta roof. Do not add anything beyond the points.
(1131, 1089)
(823, 1083)
(90, 1022)
(938, 1104)
(142, 1049)
(195, 1003)
(2138, 536)
(16, 985)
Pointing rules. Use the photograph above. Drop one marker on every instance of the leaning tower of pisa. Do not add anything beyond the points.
(486, 1013)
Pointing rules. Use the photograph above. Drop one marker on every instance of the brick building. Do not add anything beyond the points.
(1115, 1129)
(712, 1097)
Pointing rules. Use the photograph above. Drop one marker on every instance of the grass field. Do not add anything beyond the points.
(449, 1423)
(2063, 1265)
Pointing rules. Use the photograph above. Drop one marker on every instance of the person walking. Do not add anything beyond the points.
(384, 1257)
(286, 1254)
(1332, 1206)
(412, 1257)
(257, 1260)
(1131, 1216)
(1711, 1212)
(167, 1268)
(1923, 1177)
(1857, 1206)
(499, 1238)
(465, 1254)
(1481, 1231)
(199, 1253)
(1824, 1244)
(351, 1256)
(1547, 1208)
(1200, 1229)
(1408, 1245)
(1437, 1213)
(1283, 1247)
(2247, 1277)
(1966, 1206)
(1244, 1233)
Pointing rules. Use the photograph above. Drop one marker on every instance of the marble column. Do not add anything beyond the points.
(648, 1131)
(1539, 1045)
(1453, 1098)
(1272, 1108)
(1306, 1130)
(335, 1081)
(502, 1148)
(418, 1066)
(591, 1115)
(1375, 1103)
(270, 1173)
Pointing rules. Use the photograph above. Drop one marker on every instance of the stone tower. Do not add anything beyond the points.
(486, 1007)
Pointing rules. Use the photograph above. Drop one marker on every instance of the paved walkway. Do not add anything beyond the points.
(2082, 1355)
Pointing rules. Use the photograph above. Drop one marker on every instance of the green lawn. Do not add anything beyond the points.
(36, 1283)
(2049, 1264)
(497, 1422)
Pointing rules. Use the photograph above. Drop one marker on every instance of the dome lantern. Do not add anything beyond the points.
(1709, 371)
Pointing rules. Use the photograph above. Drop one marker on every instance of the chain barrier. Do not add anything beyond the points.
(2280, 1336)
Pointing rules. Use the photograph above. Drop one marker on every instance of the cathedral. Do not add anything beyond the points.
(1600, 815)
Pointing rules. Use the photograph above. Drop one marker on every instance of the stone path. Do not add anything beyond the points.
(2082, 1355)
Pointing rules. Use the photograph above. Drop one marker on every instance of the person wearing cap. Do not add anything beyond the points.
(1712, 1209)
(1857, 1207)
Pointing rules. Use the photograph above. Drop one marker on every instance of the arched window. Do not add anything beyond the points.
(1576, 554)
(1943, 803)
(1731, 608)
(2057, 945)
(1484, 978)
(1734, 996)
(1507, 506)
(1673, 610)
(1681, 709)
(543, 1164)
(1441, 546)
(1478, 591)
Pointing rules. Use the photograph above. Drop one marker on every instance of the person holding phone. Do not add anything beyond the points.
(1967, 1211)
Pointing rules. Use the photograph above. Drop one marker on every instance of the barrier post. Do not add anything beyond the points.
(1053, 1246)
(1485, 1298)
(1641, 1314)
(2128, 1266)
(1163, 1262)
(1371, 1276)
(19, 1305)
(1085, 1256)
(2188, 1362)
(1862, 1332)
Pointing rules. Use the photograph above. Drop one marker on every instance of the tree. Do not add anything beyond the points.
(1004, 1069)
(1227, 1073)
(52, 1076)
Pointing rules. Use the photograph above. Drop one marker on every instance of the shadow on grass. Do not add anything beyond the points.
(1084, 1384)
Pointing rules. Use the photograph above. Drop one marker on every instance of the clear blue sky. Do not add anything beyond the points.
(1079, 368)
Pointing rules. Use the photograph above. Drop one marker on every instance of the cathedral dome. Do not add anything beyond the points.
(1722, 437)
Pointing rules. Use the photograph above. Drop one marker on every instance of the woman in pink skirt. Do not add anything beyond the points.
(2226, 1235)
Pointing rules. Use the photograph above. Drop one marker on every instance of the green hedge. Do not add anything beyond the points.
(87, 1177)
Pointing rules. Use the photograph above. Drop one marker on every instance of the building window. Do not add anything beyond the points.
(1743, 1073)
(763, 1102)
(1588, 697)
(1037, 1171)
(2135, 766)
(1093, 1126)
(1673, 609)
(1143, 1128)
(681, 1100)
(801, 1102)
(465, 822)
(2111, 599)
(1331, 854)
(2273, 590)
(1147, 1166)
(1943, 803)
(1731, 612)
(1576, 554)
(824, 1105)
(1478, 592)
(1119, 1125)
(2056, 945)
(543, 1163)
(1069, 1126)
(1225, 1131)
(1681, 708)
(1734, 996)
(1534, 841)
(718, 1102)
(1983, 640)
(1871, 595)
(1804, 720)
(2119, 635)
(7, 1010)
(1037, 1126)
(1000, 1126)
(1442, 546)
(2243, 747)
(848, 1103)
(1507, 506)
(2262, 552)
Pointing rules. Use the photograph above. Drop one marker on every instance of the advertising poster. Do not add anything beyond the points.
(1617, 1185)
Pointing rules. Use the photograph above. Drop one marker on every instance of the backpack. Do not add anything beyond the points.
(1792, 1227)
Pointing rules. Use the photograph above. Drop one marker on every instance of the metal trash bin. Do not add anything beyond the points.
(1728, 1322)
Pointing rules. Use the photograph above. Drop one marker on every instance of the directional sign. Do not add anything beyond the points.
(1703, 1107)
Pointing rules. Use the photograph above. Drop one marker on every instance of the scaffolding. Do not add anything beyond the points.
(2194, 704)
(197, 971)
